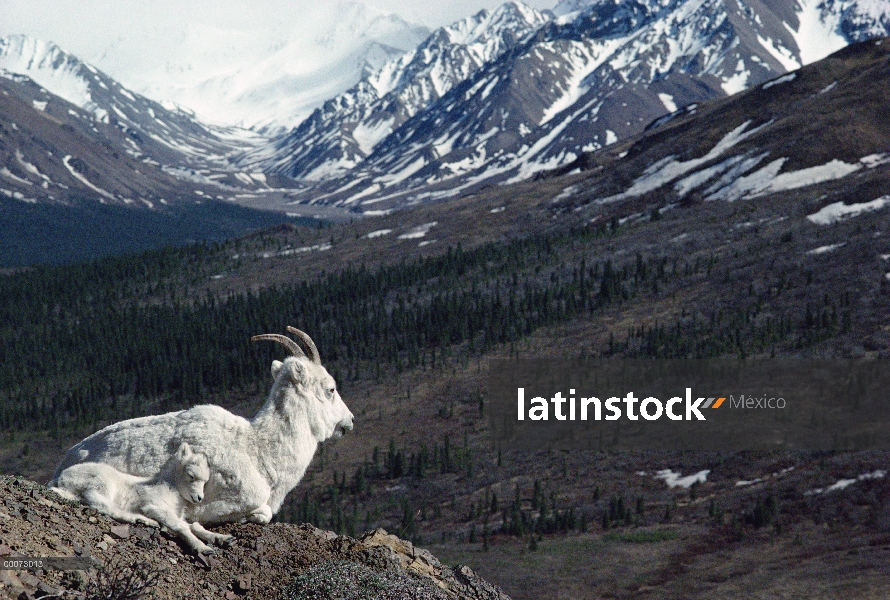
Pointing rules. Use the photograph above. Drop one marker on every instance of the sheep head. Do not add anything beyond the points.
(304, 386)
(192, 473)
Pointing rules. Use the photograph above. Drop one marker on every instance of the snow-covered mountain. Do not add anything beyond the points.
(497, 97)
(265, 69)
(345, 130)
(163, 133)
(596, 72)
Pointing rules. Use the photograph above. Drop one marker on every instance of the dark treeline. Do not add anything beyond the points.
(82, 344)
(349, 504)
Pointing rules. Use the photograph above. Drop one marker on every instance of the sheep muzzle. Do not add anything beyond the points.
(341, 429)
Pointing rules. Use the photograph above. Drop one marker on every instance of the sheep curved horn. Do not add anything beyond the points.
(310, 345)
(285, 341)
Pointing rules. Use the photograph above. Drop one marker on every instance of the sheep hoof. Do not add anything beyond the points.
(207, 550)
(227, 540)
(261, 515)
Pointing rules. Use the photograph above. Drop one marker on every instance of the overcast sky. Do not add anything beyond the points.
(83, 24)
(209, 55)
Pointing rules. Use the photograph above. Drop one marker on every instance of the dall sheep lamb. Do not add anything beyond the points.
(158, 500)
(253, 464)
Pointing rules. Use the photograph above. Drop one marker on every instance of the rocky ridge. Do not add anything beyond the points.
(271, 561)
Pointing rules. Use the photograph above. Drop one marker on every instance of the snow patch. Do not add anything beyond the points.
(368, 136)
(378, 233)
(817, 32)
(372, 189)
(668, 169)
(668, 102)
(566, 193)
(292, 251)
(48, 66)
(83, 179)
(834, 169)
(404, 174)
(738, 81)
(838, 211)
(581, 59)
(743, 482)
(675, 479)
(824, 249)
(842, 484)
(767, 180)
(779, 81)
(18, 196)
(10, 175)
(782, 54)
(873, 160)
(419, 231)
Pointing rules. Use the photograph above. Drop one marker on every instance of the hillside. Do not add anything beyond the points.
(275, 561)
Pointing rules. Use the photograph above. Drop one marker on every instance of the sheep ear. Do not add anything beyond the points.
(184, 452)
(276, 368)
(297, 371)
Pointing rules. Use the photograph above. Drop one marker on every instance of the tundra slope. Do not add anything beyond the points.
(254, 464)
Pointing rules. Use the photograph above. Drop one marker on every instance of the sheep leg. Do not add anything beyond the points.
(178, 525)
(261, 515)
(101, 503)
(211, 537)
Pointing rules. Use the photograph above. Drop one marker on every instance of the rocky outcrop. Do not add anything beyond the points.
(268, 561)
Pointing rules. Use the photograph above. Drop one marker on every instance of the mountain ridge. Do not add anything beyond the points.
(169, 127)
(619, 68)
(337, 136)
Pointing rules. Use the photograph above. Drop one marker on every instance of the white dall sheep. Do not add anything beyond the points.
(253, 464)
(158, 500)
